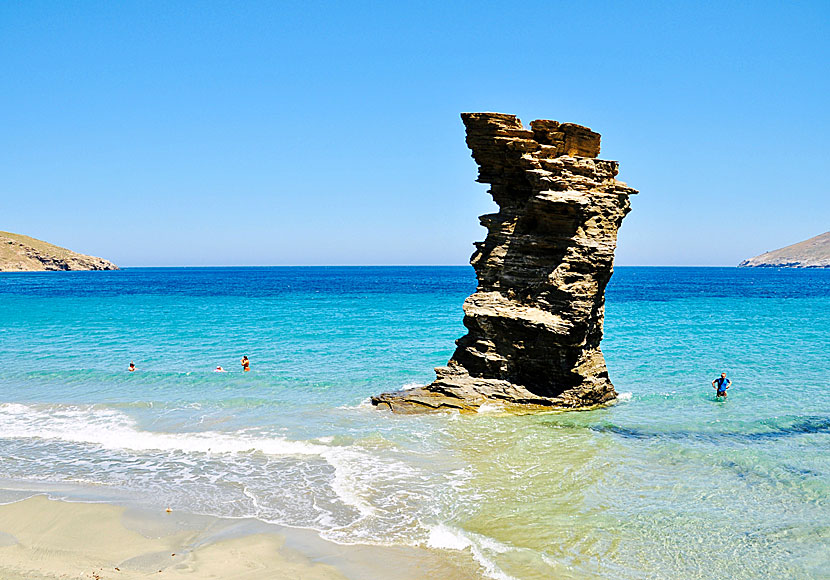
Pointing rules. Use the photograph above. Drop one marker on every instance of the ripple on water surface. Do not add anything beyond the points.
(667, 483)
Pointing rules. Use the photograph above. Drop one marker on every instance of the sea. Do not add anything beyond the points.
(667, 483)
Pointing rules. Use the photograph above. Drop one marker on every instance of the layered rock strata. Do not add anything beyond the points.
(535, 322)
(19, 253)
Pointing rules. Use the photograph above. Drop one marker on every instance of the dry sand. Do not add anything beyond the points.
(44, 539)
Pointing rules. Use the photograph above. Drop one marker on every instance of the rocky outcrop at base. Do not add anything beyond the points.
(535, 322)
(20, 253)
(812, 253)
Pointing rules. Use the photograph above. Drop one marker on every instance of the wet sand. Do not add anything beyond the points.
(45, 539)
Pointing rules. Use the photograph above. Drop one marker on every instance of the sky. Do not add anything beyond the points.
(287, 133)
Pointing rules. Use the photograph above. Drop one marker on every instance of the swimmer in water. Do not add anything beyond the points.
(131, 368)
(246, 364)
(721, 384)
(219, 370)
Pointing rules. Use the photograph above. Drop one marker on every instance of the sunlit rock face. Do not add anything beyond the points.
(19, 253)
(812, 253)
(535, 322)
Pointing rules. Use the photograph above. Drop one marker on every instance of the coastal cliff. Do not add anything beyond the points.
(535, 322)
(812, 253)
(20, 253)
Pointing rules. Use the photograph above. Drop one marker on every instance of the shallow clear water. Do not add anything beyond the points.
(668, 483)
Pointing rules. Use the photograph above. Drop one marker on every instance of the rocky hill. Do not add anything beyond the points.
(812, 253)
(20, 253)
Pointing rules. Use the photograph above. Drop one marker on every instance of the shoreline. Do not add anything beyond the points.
(43, 538)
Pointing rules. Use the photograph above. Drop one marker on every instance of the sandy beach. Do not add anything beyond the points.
(46, 539)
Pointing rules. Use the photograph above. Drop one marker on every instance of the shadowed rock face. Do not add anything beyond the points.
(535, 322)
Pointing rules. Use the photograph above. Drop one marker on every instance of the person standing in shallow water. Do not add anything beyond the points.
(246, 364)
(131, 368)
(721, 384)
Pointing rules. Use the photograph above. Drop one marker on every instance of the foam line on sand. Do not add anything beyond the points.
(46, 539)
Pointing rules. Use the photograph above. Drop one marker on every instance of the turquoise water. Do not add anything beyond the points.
(667, 483)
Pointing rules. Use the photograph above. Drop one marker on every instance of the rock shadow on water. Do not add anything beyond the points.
(766, 430)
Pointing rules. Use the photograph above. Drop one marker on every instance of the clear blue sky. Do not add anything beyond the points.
(224, 133)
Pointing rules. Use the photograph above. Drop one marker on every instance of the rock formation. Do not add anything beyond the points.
(535, 322)
(24, 254)
(812, 253)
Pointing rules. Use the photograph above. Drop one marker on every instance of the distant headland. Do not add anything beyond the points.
(812, 253)
(20, 253)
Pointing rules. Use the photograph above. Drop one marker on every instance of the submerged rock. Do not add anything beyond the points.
(535, 322)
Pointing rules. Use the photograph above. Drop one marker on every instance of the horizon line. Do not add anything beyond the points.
(401, 266)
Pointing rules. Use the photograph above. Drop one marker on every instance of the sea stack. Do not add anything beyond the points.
(535, 322)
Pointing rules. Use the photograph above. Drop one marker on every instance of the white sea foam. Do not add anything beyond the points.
(253, 498)
(348, 470)
(347, 493)
(490, 407)
(624, 396)
(407, 386)
(367, 402)
(364, 404)
(112, 429)
(444, 537)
